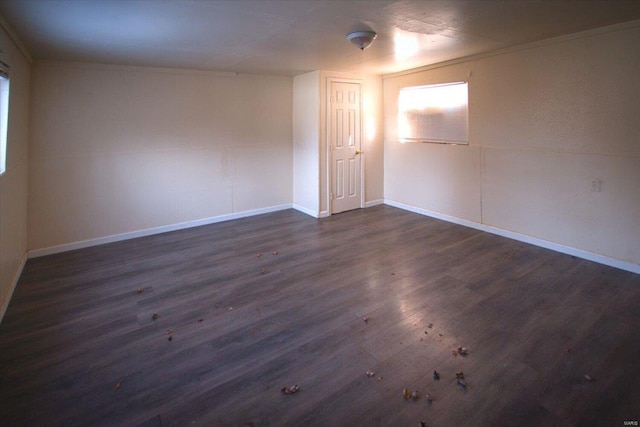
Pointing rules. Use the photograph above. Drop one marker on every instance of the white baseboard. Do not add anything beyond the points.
(307, 211)
(372, 203)
(325, 214)
(612, 262)
(12, 286)
(150, 231)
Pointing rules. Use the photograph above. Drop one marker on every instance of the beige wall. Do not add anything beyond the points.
(120, 149)
(306, 150)
(13, 183)
(544, 122)
(373, 138)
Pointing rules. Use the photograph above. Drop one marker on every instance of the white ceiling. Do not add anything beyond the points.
(294, 36)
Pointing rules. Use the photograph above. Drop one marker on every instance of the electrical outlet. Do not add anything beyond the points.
(596, 185)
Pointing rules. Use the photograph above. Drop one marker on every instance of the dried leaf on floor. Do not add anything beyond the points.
(406, 394)
(460, 380)
(290, 390)
(460, 351)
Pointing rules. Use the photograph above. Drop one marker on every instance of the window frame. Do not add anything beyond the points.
(5, 83)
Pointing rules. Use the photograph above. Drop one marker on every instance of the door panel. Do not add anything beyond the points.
(345, 143)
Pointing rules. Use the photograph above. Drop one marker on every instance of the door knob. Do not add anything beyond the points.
(358, 152)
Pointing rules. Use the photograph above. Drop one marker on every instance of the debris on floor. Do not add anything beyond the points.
(154, 316)
(200, 320)
(366, 319)
(423, 424)
(460, 380)
(259, 255)
(290, 390)
(379, 378)
(430, 326)
(276, 252)
(140, 290)
(170, 338)
(428, 397)
(370, 373)
(436, 375)
(413, 395)
(589, 378)
(117, 386)
(263, 271)
(460, 351)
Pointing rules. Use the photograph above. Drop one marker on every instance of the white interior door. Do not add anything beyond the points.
(345, 145)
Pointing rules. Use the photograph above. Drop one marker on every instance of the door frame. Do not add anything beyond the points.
(329, 82)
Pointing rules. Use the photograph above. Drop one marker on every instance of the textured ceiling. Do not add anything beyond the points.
(294, 36)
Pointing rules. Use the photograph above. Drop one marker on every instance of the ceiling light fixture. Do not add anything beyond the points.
(362, 39)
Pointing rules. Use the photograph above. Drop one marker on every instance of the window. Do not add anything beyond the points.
(4, 114)
(434, 113)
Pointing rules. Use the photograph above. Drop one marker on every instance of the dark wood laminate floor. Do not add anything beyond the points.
(78, 345)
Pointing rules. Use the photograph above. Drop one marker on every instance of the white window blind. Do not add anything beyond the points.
(434, 113)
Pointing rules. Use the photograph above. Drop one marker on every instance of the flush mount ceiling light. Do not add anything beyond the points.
(362, 39)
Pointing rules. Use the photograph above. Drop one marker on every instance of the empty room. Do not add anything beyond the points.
(319, 213)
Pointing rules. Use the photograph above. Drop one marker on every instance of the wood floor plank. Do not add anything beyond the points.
(248, 306)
